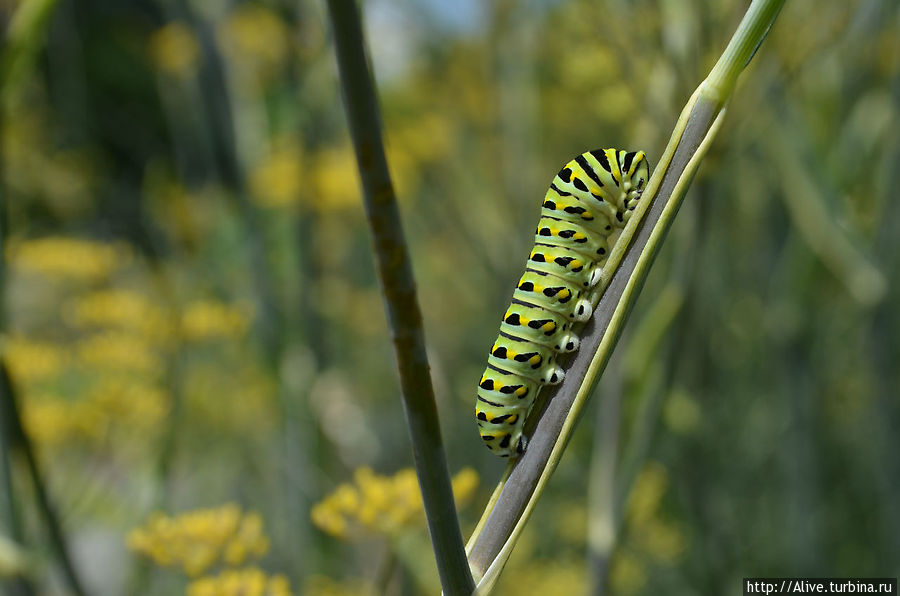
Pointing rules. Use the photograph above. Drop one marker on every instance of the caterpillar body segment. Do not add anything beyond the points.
(526, 359)
(590, 198)
(540, 326)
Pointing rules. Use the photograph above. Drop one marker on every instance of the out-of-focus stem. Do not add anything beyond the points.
(399, 290)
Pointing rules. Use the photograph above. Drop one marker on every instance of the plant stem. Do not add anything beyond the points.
(23, 444)
(401, 303)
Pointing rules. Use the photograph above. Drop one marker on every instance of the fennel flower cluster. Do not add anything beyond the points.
(381, 505)
(175, 50)
(197, 540)
(119, 309)
(210, 319)
(67, 258)
(257, 37)
(249, 581)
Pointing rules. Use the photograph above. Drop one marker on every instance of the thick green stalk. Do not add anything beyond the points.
(630, 259)
(401, 304)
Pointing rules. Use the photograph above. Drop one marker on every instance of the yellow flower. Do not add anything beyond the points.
(31, 360)
(122, 309)
(205, 319)
(335, 181)
(249, 541)
(196, 540)
(254, 34)
(47, 420)
(119, 351)
(249, 581)
(278, 180)
(175, 50)
(383, 505)
(67, 258)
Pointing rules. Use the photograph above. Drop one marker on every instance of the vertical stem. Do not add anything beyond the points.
(401, 303)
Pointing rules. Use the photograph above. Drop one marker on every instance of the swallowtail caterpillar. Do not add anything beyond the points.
(587, 205)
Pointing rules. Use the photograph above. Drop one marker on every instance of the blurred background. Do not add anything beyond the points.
(197, 343)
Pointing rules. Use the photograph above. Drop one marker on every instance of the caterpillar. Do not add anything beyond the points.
(589, 201)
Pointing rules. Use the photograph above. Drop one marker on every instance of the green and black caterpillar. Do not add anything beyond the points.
(587, 205)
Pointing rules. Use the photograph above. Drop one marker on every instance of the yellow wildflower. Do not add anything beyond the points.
(205, 319)
(384, 505)
(196, 540)
(256, 35)
(249, 541)
(335, 181)
(114, 404)
(123, 309)
(278, 180)
(250, 581)
(67, 258)
(130, 402)
(464, 484)
(31, 360)
(48, 421)
(175, 50)
(119, 351)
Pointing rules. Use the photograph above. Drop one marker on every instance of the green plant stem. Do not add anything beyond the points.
(22, 443)
(401, 303)
(526, 477)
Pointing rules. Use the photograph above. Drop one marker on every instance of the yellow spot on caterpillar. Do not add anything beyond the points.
(578, 236)
(512, 419)
(521, 391)
(536, 359)
(548, 327)
(563, 294)
(575, 264)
